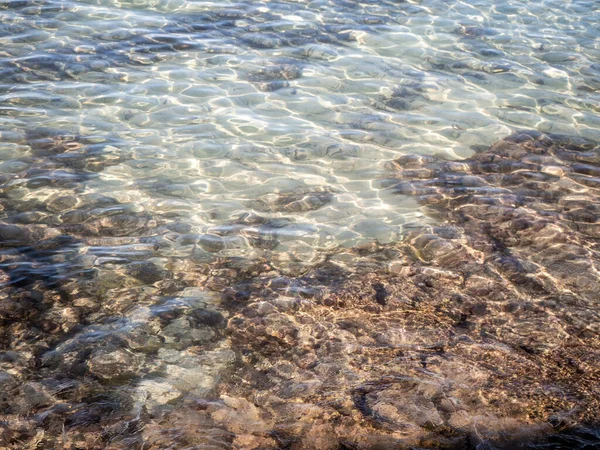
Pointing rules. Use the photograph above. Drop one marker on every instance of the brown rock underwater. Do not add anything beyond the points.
(482, 331)
(482, 328)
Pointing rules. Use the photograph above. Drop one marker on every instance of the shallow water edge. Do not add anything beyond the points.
(325, 224)
(480, 331)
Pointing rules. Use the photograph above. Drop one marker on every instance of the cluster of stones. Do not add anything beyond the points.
(483, 328)
(97, 331)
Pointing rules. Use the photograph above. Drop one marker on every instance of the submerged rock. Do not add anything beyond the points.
(300, 201)
(479, 331)
(114, 365)
(483, 330)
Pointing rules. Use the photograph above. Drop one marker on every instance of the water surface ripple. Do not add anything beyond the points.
(299, 224)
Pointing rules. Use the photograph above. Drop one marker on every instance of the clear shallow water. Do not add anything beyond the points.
(206, 111)
(152, 152)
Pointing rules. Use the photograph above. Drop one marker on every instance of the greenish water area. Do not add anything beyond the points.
(299, 224)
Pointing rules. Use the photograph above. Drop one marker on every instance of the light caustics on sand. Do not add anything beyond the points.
(280, 224)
